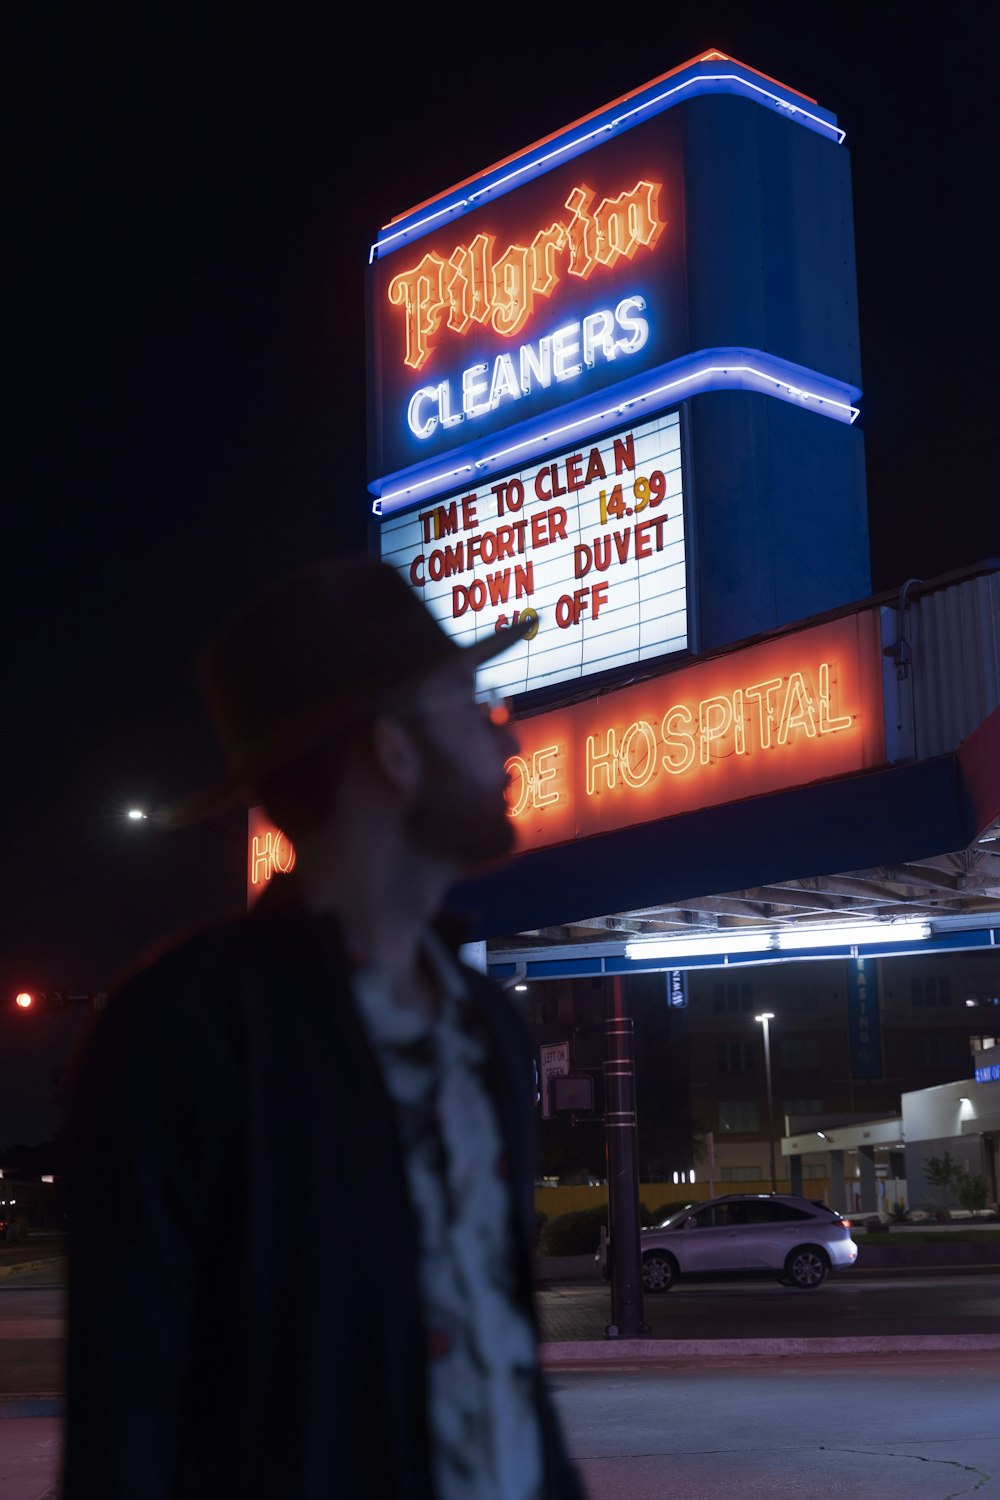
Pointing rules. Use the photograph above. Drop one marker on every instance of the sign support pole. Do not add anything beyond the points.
(623, 1172)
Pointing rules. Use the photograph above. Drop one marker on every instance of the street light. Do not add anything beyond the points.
(765, 1021)
(155, 817)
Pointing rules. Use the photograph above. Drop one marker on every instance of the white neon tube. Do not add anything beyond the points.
(701, 945)
(834, 934)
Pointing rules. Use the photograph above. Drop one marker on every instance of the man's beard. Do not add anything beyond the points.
(455, 817)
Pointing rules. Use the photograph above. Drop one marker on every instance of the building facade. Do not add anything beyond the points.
(701, 1069)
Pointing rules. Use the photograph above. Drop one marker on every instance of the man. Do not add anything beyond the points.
(313, 1127)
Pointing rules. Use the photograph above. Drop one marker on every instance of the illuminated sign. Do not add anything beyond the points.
(269, 852)
(799, 708)
(589, 544)
(551, 294)
(688, 238)
(988, 1073)
(863, 1024)
(474, 285)
(607, 334)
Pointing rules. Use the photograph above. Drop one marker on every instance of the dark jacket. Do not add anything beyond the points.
(244, 1315)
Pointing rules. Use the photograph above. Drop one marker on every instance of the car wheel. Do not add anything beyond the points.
(659, 1272)
(806, 1267)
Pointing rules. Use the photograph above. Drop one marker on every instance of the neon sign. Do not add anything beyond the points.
(473, 286)
(269, 853)
(803, 707)
(557, 357)
(589, 544)
(609, 267)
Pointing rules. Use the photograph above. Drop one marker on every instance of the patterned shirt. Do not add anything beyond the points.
(481, 1353)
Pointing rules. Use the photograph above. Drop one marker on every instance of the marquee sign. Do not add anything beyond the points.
(550, 294)
(588, 544)
(799, 708)
(662, 247)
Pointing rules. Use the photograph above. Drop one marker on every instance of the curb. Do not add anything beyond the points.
(12, 1407)
(670, 1351)
(30, 1265)
(572, 1277)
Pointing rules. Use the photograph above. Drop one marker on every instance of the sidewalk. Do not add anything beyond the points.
(575, 1309)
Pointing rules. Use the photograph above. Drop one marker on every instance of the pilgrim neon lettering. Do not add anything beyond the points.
(474, 285)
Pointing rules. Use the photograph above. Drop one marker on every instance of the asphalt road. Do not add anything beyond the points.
(872, 1427)
(922, 1425)
(878, 1427)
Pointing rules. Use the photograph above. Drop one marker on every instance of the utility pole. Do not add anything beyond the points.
(765, 1020)
(623, 1171)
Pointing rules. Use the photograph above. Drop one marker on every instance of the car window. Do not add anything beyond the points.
(676, 1220)
(773, 1213)
(716, 1215)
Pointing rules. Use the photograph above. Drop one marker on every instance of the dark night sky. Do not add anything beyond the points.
(196, 187)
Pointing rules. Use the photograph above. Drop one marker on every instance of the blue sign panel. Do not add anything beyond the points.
(691, 248)
(863, 1020)
(686, 249)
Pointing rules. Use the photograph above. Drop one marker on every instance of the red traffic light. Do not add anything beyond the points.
(49, 999)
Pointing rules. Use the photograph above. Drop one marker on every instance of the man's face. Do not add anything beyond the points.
(459, 811)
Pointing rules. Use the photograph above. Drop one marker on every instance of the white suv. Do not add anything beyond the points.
(746, 1234)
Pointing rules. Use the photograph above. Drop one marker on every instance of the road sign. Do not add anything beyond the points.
(553, 1063)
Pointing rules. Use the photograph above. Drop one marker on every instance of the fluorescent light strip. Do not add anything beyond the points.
(536, 164)
(705, 378)
(832, 935)
(701, 945)
(850, 934)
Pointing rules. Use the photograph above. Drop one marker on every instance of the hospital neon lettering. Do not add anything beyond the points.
(531, 779)
(776, 713)
(476, 287)
(270, 853)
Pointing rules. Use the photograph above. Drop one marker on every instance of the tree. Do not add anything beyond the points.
(971, 1189)
(939, 1171)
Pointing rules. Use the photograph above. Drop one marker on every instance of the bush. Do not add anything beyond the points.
(577, 1233)
(972, 1190)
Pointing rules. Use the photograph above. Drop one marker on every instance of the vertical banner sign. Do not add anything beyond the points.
(863, 1021)
(677, 988)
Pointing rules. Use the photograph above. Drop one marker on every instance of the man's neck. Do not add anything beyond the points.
(384, 897)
